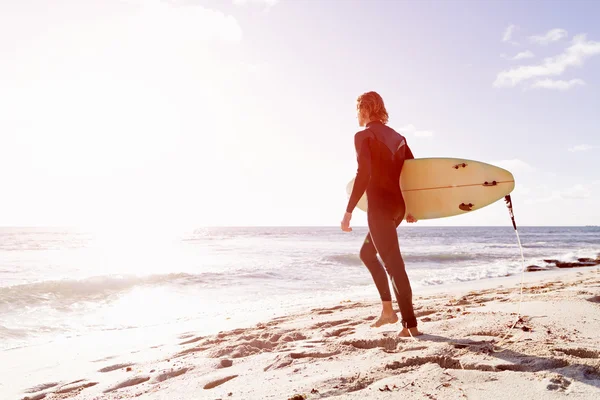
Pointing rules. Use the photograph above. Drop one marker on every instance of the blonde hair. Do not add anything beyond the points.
(372, 105)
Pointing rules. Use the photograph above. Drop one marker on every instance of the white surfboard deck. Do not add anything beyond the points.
(444, 187)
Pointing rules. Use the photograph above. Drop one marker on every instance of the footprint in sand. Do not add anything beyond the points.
(41, 387)
(533, 364)
(281, 361)
(104, 359)
(350, 383)
(558, 383)
(589, 373)
(595, 299)
(193, 340)
(327, 309)
(74, 382)
(314, 355)
(445, 362)
(438, 316)
(297, 397)
(329, 324)
(247, 344)
(489, 333)
(278, 337)
(424, 313)
(580, 352)
(36, 397)
(191, 350)
(71, 387)
(353, 323)
(115, 367)
(340, 332)
(219, 382)
(171, 374)
(243, 349)
(461, 302)
(389, 343)
(484, 300)
(234, 332)
(128, 383)
(186, 336)
(75, 388)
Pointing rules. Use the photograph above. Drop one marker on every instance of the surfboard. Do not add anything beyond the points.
(445, 187)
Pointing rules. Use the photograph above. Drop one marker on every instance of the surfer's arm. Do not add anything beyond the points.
(363, 174)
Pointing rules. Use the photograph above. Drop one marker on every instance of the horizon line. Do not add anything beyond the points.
(306, 226)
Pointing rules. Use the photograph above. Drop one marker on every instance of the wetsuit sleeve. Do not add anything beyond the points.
(363, 174)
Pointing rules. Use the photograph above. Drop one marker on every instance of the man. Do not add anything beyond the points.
(381, 152)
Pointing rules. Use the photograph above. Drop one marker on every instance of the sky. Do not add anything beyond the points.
(188, 113)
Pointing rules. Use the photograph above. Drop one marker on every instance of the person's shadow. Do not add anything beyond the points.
(520, 362)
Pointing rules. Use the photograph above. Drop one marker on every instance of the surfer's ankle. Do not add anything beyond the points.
(410, 332)
(387, 307)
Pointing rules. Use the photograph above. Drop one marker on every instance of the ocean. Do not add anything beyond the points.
(57, 283)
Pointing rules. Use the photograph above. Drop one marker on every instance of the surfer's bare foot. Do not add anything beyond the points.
(388, 315)
(408, 332)
(384, 319)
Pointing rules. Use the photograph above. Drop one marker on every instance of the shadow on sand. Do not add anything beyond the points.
(515, 361)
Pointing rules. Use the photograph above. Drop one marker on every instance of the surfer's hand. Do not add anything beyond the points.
(410, 219)
(346, 222)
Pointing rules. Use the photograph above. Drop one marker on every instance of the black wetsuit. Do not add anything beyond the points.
(381, 152)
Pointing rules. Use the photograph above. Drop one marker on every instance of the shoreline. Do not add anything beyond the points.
(331, 349)
(365, 294)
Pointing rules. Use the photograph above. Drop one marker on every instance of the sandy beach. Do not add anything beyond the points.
(468, 350)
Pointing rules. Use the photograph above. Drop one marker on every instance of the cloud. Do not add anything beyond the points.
(582, 147)
(547, 199)
(267, 3)
(576, 192)
(508, 32)
(523, 55)
(557, 84)
(163, 21)
(573, 56)
(176, 19)
(201, 22)
(411, 129)
(552, 35)
(520, 56)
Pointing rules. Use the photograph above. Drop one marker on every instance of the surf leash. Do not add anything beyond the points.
(508, 201)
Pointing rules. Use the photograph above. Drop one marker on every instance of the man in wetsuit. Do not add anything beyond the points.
(381, 152)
